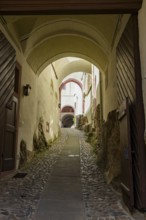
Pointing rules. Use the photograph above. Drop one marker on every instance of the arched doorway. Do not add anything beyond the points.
(67, 121)
(67, 117)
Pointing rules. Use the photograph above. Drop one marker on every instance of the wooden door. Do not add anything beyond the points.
(10, 132)
(129, 84)
(7, 103)
(126, 156)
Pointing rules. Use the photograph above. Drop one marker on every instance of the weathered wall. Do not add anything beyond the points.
(109, 87)
(142, 43)
(88, 107)
(48, 99)
(42, 102)
(72, 95)
(98, 95)
(28, 105)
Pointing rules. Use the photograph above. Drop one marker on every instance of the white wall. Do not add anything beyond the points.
(70, 95)
(142, 44)
(88, 106)
(95, 89)
(95, 83)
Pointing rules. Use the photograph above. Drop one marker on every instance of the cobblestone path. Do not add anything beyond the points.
(101, 201)
(19, 197)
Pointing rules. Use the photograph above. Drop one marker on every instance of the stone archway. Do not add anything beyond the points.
(67, 109)
(71, 80)
(76, 82)
(67, 121)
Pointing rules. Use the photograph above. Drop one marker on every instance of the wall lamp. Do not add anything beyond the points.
(26, 90)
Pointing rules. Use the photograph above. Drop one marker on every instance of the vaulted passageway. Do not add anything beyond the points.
(104, 49)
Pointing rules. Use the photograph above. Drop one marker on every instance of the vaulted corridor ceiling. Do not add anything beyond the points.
(45, 39)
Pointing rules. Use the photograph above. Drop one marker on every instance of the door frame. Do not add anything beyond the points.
(140, 203)
(126, 154)
(17, 95)
(137, 116)
(69, 7)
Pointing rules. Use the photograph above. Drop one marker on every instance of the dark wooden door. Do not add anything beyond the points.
(7, 103)
(8, 155)
(129, 84)
(126, 156)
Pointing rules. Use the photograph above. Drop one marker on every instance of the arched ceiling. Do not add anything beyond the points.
(74, 80)
(72, 67)
(44, 39)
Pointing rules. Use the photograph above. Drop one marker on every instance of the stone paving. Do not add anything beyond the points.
(19, 197)
(101, 201)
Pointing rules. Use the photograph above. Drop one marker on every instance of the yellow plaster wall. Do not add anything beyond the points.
(109, 88)
(42, 102)
(28, 105)
(48, 99)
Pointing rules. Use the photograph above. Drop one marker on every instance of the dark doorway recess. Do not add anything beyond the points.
(67, 121)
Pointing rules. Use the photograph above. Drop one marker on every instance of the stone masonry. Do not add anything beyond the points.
(19, 197)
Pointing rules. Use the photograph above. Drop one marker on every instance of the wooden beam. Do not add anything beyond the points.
(8, 7)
